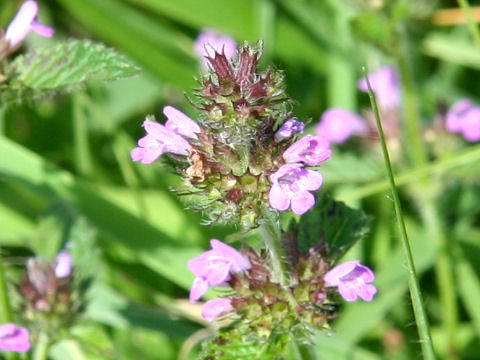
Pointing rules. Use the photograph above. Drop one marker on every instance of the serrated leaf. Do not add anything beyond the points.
(63, 67)
(331, 225)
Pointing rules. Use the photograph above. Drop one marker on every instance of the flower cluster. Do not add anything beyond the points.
(256, 296)
(47, 285)
(14, 338)
(240, 153)
(24, 22)
(337, 125)
(464, 118)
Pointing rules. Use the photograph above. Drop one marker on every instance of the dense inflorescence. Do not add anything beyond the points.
(239, 155)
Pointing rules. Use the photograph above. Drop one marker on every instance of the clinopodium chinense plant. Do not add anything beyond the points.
(243, 160)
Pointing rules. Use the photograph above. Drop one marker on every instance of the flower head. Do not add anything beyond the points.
(291, 186)
(211, 41)
(384, 83)
(352, 280)
(63, 266)
(464, 117)
(180, 123)
(215, 308)
(337, 125)
(159, 139)
(14, 338)
(24, 22)
(289, 128)
(214, 266)
(311, 150)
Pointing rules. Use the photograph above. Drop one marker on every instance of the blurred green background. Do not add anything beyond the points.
(65, 164)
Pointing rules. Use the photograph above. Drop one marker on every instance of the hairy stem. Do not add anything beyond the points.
(271, 234)
(427, 204)
(415, 293)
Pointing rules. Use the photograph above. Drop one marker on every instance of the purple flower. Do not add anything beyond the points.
(158, 140)
(311, 150)
(180, 123)
(291, 186)
(14, 338)
(288, 129)
(24, 22)
(214, 308)
(385, 85)
(337, 125)
(63, 267)
(211, 41)
(352, 280)
(214, 266)
(464, 117)
(456, 113)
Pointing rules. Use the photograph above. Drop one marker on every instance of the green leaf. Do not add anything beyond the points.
(331, 225)
(63, 67)
(375, 28)
(236, 343)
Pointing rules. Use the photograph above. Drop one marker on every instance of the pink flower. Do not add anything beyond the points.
(63, 267)
(291, 186)
(24, 22)
(158, 140)
(289, 128)
(464, 117)
(14, 338)
(215, 308)
(211, 41)
(213, 267)
(337, 125)
(180, 123)
(385, 85)
(311, 150)
(352, 280)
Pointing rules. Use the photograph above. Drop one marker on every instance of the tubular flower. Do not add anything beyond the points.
(180, 123)
(215, 308)
(63, 266)
(159, 139)
(14, 338)
(464, 117)
(291, 186)
(385, 85)
(337, 125)
(214, 266)
(24, 22)
(211, 41)
(289, 128)
(352, 280)
(311, 150)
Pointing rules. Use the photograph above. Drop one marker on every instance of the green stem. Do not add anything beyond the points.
(41, 348)
(466, 157)
(271, 234)
(4, 301)
(472, 26)
(5, 308)
(427, 204)
(415, 293)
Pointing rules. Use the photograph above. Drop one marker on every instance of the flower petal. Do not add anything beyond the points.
(180, 123)
(199, 288)
(278, 198)
(239, 262)
(347, 292)
(214, 308)
(303, 202)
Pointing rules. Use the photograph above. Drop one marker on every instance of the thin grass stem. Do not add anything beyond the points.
(415, 293)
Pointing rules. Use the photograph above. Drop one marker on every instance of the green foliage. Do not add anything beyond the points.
(331, 227)
(63, 67)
